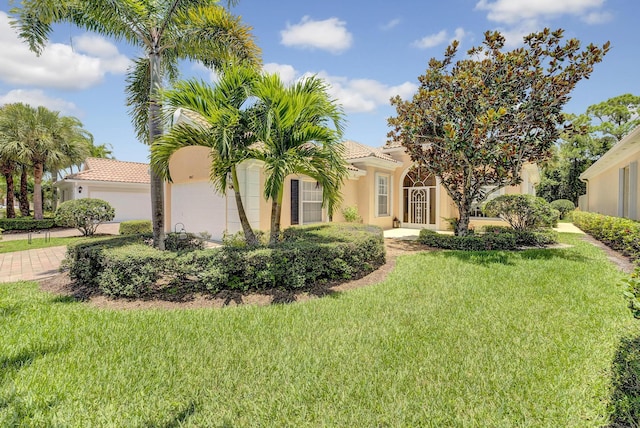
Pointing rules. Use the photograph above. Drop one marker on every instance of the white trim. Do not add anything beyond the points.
(629, 145)
(633, 190)
(376, 191)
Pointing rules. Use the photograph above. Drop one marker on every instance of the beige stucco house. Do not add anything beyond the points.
(125, 185)
(613, 186)
(383, 184)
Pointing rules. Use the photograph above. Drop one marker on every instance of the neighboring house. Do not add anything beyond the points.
(612, 181)
(125, 185)
(383, 184)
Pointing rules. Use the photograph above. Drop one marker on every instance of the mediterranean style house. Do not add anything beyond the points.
(613, 186)
(383, 185)
(125, 185)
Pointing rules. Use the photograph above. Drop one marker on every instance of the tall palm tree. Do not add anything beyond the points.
(301, 128)
(13, 155)
(75, 144)
(221, 123)
(167, 30)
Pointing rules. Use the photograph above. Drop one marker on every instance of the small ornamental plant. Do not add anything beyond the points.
(84, 214)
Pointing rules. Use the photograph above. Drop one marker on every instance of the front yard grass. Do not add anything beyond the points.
(11, 246)
(495, 339)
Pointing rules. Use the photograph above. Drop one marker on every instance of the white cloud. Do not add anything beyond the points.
(364, 95)
(597, 17)
(287, 73)
(112, 60)
(36, 97)
(391, 24)
(440, 38)
(59, 66)
(512, 12)
(330, 35)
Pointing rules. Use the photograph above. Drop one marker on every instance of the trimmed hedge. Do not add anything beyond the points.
(26, 223)
(621, 234)
(133, 227)
(121, 266)
(493, 238)
(85, 259)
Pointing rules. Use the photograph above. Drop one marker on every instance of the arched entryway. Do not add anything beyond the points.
(419, 198)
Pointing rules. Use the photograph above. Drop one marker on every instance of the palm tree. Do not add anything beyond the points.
(221, 123)
(167, 30)
(13, 155)
(300, 127)
(75, 144)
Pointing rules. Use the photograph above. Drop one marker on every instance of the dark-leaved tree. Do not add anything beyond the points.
(476, 122)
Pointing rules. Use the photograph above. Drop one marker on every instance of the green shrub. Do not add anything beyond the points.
(237, 240)
(522, 212)
(133, 271)
(132, 227)
(621, 234)
(564, 206)
(480, 242)
(26, 223)
(85, 260)
(84, 214)
(625, 381)
(121, 266)
(632, 292)
(492, 238)
(351, 215)
(181, 242)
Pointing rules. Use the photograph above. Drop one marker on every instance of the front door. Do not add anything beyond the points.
(420, 202)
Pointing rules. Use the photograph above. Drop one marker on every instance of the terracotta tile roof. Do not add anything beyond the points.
(355, 151)
(98, 169)
(392, 144)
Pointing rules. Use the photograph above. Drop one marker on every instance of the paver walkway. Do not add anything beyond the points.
(33, 265)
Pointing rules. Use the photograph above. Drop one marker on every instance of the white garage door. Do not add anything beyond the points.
(199, 207)
(128, 205)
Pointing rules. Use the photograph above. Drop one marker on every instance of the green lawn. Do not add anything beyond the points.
(7, 246)
(449, 339)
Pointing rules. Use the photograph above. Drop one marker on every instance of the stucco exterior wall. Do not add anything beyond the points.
(603, 190)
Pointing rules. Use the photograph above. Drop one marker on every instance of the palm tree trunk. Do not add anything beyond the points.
(7, 171)
(38, 170)
(249, 235)
(54, 191)
(276, 210)
(23, 196)
(155, 131)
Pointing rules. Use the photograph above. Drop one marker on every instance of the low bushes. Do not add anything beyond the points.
(26, 223)
(621, 234)
(493, 238)
(132, 227)
(307, 255)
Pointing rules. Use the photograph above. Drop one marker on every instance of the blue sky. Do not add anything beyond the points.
(368, 51)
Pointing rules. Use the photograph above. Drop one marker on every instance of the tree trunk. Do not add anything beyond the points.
(462, 227)
(38, 170)
(276, 209)
(8, 178)
(249, 235)
(23, 196)
(54, 191)
(155, 131)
